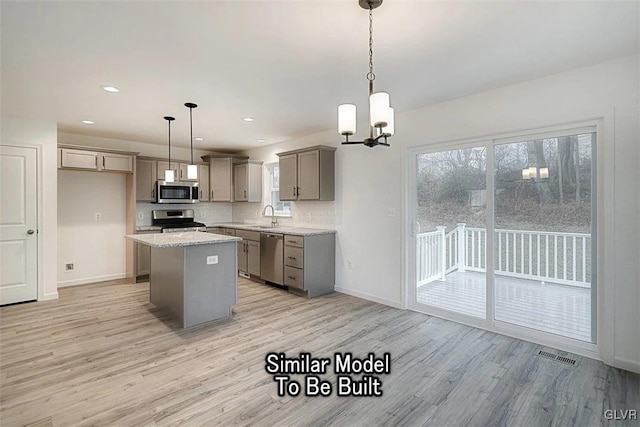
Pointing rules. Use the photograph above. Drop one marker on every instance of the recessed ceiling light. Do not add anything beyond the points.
(262, 140)
(248, 119)
(88, 122)
(199, 138)
(110, 88)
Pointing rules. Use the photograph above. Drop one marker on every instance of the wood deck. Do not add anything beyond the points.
(102, 355)
(557, 309)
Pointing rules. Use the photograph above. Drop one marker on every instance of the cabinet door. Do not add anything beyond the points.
(288, 176)
(116, 162)
(182, 173)
(143, 265)
(240, 183)
(254, 182)
(79, 159)
(242, 256)
(253, 258)
(146, 180)
(309, 175)
(220, 179)
(164, 165)
(203, 182)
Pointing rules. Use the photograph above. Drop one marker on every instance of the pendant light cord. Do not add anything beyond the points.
(370, 75)
(191, 131)
(169, 143)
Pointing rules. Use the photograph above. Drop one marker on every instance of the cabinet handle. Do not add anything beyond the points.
(291, 277)
(245, 194)
(103, 164)
(291, 257)
(294, 190)
(153, 193)
(201, 194)
(291, 241)
(212, 195)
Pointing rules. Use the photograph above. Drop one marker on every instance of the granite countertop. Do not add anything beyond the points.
(190, 238)
(296, 231)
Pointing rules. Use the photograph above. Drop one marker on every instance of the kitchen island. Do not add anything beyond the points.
(193, 274)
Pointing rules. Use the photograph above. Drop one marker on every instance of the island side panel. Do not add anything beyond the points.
(210, 289)
(166, 281)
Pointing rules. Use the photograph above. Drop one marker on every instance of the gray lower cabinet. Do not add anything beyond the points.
(309, 263)
(249, 252)
(143, 258)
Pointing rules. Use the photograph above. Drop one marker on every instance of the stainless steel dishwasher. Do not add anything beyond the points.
(272, 257)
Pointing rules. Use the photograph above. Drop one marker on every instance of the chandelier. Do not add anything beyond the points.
(381, 115)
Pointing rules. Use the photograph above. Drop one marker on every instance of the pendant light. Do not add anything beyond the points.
(192, 169)
(169, 175)
(381, 115)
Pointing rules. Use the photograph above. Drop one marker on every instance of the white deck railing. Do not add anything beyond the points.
(536, 255)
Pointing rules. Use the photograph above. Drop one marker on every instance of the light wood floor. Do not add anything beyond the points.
(102, 355)
(557, 309)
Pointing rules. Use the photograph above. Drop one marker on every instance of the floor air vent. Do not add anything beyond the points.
(557, 358)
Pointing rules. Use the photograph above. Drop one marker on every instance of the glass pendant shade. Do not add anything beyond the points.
(533, 172)
(388, 130)
(379, 109)
(525, 173)
(168, 175)
(192, 171)
(347, 119)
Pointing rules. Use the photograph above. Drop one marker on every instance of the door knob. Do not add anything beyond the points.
(30, 231)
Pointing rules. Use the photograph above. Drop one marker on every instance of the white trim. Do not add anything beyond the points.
(50, 296)
(87, 280)
(369, 297)
(627, 364)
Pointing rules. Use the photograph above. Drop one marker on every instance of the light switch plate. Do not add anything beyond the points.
(140, 216)
(391, 212)
(212, 259)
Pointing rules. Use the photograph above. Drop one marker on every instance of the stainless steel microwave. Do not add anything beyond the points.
(177, 192)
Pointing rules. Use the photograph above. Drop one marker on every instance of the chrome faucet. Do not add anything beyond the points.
(274, 220)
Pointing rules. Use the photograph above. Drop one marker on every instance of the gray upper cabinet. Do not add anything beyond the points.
(247, 181)
(307, 174)
(163, 165)
(220, 182)
(88, 159)
(146, 177)
(203, 182)
(182, 173)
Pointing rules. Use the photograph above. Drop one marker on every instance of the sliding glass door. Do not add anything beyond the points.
(502, 234)
(451, 202)
(542, 236)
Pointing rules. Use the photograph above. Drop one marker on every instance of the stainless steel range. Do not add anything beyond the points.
(173, 221)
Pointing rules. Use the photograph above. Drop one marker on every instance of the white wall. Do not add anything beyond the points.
(369, 181)
(35, 133)
(95, 247)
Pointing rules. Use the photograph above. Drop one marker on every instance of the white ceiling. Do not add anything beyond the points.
(288, 64)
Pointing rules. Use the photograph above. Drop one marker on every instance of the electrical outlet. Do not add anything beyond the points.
(308, 217)
(69, 267)
(212, 259)
(203, 214)
(98, 216)
(391, 212)
(140, 216)
(349, 264)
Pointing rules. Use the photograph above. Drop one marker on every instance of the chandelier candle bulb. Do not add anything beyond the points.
(388, 130)
(379, 106)
(544, 173)
(347, 119)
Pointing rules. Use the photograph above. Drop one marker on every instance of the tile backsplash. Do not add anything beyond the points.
(204, 212)
(303, 214)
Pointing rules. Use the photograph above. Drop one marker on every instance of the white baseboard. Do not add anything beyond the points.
(627, 364)
(50, 296)
(369, 297)
(94, 279)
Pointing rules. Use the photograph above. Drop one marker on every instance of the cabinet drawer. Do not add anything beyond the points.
(294, 277)
(293, 256)
(248, 235)
(229, 231)
(214, 230)
(297, 241)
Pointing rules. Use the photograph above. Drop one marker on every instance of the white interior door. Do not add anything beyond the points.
(18, 220)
